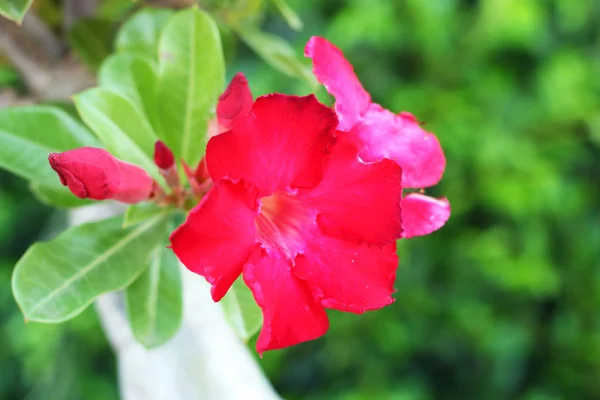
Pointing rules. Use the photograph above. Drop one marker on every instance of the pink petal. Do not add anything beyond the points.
(280, 143)
(355, 200)
(401, 138)
(348, 277)
(218, 235)
(335, 72)
(422, 215)
(290, 314)
(235, 102)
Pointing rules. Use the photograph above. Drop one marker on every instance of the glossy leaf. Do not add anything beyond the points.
(278, 53)
(236, 12)
(134, 77)
(140, 212)
(14, 10)
(241, 311)
(191, 78)
(141, 32)
(92, 40)
(28, 134)
(289, 14)
(120, 125)
(56, 280)
(154, 299)
(114, 10)
(57, 195)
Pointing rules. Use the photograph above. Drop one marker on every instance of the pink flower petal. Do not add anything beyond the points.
(345, 276)
(280, 143)
(218, 235)
(335, 72)
(401, 138)
(422, 215)
(357, 201)
(290, 314)
(235, 102)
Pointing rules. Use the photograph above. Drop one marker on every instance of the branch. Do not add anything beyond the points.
(74, 10)
(205, 359)
(171, 3)
(10, 98)
(39, 57)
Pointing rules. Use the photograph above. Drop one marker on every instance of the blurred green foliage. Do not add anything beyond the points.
(504, 301)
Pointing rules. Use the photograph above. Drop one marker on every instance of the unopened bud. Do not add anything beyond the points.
(163, 156)
(96, 174)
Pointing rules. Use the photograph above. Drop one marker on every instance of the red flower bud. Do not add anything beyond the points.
(235, 102)
(95, 174)
(163, 156)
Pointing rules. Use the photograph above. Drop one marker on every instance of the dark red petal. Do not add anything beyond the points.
(235, 102)
(335, 72)
(94, 173)
(355, 200)
(290, 314)
(218, 235)
(348, 277)
(422, 215)
(281, 143)
(163, 156)
(401, 138)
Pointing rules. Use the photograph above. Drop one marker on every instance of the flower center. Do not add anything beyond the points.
(281, 222)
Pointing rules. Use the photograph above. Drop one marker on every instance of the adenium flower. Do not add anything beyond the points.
(235, 102)
(295, 211)
(96, 174)
(382, 134)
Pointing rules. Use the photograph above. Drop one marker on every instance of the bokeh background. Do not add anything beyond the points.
(504, 301)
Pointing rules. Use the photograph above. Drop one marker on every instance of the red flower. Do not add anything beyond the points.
(308, 224)
(234, 103)
(383, 134)
(94, 173)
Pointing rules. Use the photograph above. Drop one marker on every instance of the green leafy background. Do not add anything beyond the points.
(504, 301)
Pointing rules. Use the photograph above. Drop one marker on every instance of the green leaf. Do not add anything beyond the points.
(154, 300)
(14, 10)
(141, 212)
(289, 14)
(28, 134)
(278, 53)
(241, 311)
(8, 76)
(56, 195)
(92, 40)
(134, 77)
(114, 10)
(120, 125)
(191, 78)
(141, 32)
(56, 280)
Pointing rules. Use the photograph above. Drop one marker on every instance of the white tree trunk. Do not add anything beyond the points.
(205, 360)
